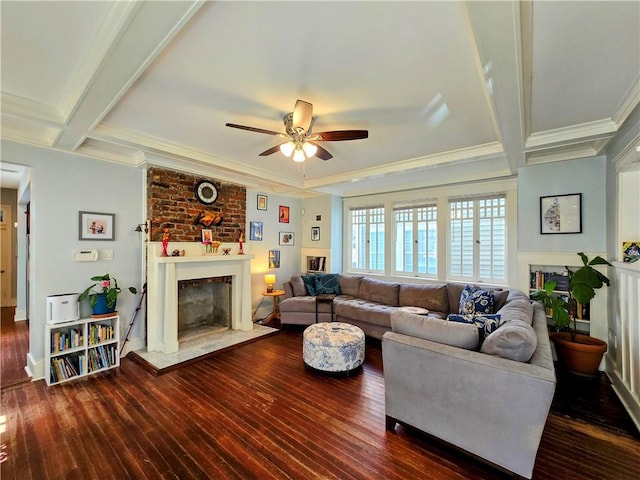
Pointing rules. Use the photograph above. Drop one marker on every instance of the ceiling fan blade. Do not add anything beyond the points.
(252, 129)
(302, 115)
(322, 153)
(338, 135)
(270, 151)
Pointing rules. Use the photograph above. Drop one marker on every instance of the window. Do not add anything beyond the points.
(367, 239)
(477, 248)
(416, 240)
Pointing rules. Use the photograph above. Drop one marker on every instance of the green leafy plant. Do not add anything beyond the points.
(583, 284)
(109, 287)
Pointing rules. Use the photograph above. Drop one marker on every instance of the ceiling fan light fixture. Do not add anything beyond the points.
(309, 149)
(287, 148)
(298, 155)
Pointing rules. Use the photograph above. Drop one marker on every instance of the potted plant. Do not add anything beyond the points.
(578, 353)
(104, 300)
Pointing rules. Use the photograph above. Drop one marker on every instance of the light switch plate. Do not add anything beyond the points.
(106, 254)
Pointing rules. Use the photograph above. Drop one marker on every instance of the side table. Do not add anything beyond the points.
(325, 298)
(275, 315)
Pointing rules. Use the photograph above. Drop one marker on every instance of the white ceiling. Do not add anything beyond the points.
(449, 91)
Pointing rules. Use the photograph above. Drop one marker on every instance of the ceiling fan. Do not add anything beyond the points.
(301, 141)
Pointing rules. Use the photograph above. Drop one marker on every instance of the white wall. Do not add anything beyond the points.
(63, 184)
(629, 209)
(271, 228)
(586, 176)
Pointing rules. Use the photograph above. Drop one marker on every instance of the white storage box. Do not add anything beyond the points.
(63, 308)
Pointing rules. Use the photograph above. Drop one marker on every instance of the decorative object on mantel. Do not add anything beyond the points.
(630, 252)
(578, 353)
(165, 242)
(207, 218)
(241, 241)
(211, 247)
(226, 251)
(105, 300)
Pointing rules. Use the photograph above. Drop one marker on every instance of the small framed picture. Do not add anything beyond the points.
(262, 202)
(561, 214)
(318, 217)
(315, 234)
(286, 238)
(207, 236)
(283, 214)
(255, 231)
(274, 258)
(96, 226)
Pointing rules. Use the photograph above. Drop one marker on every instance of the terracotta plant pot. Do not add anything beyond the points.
(582, 356)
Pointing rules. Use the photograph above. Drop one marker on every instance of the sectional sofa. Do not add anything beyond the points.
(486, 392)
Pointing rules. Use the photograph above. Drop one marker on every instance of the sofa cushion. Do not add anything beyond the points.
(327, 284)
(454, 290)
(304, 304)
(309, 284)
(462, 335)
(486, 323)
(297, 285)
(350, 284)
(379, 291)
(515, 340)
(363, 311)
(474, 300)
(518, 309)
(431, 297)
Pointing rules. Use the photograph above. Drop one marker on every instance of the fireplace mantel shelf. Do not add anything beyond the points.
(203, 258)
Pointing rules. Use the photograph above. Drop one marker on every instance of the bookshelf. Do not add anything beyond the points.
(539, 274)
(81, 347)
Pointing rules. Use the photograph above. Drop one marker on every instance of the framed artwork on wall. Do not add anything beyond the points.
(255, 231)
(283, 214)
(262, 202)
(96, 226)
(286, 238)
(561, 214)
(274, 258)
(315, 234)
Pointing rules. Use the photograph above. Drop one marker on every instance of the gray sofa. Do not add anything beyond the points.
(489, 395)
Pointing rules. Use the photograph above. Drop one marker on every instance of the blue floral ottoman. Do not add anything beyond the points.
(333, 347)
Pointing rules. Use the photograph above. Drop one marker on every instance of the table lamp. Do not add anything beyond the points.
(269, 279)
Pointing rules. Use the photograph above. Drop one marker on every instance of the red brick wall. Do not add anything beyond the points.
(172, 204)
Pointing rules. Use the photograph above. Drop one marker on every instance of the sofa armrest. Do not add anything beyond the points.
(492, 407)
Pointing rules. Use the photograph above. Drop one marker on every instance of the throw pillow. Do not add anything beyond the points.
(310, 284)
(486, 323)
(515, 340)
(473, 300)
(327, 284)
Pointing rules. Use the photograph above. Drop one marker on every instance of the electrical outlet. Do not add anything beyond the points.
(106, 254)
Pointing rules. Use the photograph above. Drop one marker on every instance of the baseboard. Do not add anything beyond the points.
(132, 345)
(19, 315)
(630, 402)
(34, 368)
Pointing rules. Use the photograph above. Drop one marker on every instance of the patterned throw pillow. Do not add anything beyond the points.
(310, 284)
(486, 323)
(473, 300)
(327, 284)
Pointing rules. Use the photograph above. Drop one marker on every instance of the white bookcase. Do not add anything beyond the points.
(81, 347)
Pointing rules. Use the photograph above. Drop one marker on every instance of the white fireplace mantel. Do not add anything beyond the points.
(163, 276)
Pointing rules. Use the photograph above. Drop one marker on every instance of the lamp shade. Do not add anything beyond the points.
(269, 279)
(298, 155)
(309, 149)
(287, 148)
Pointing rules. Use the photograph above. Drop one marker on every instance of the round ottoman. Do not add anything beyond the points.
(333, 347)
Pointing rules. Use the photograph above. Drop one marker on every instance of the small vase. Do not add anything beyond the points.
(101, 307)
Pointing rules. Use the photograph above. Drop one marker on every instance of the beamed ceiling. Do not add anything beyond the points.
(449, 91)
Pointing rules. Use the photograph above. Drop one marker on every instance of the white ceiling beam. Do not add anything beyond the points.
(148, 31)
(497, 31)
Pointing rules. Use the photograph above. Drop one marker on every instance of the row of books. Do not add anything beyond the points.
(580, 311)
(102, 357)
(316, 264)
(64, 340)
(539, 278)
(100, 333)
(66, 367)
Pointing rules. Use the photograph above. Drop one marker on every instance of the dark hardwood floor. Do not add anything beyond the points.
(255, 412)
(14, 346)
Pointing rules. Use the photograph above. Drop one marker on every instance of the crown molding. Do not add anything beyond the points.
(31, 110)
(572, 134)
(630, 101)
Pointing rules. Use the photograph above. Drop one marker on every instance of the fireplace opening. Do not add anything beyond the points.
(204, 306)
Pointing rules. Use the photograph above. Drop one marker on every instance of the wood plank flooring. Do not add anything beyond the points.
(256, 412)
(14, 346)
